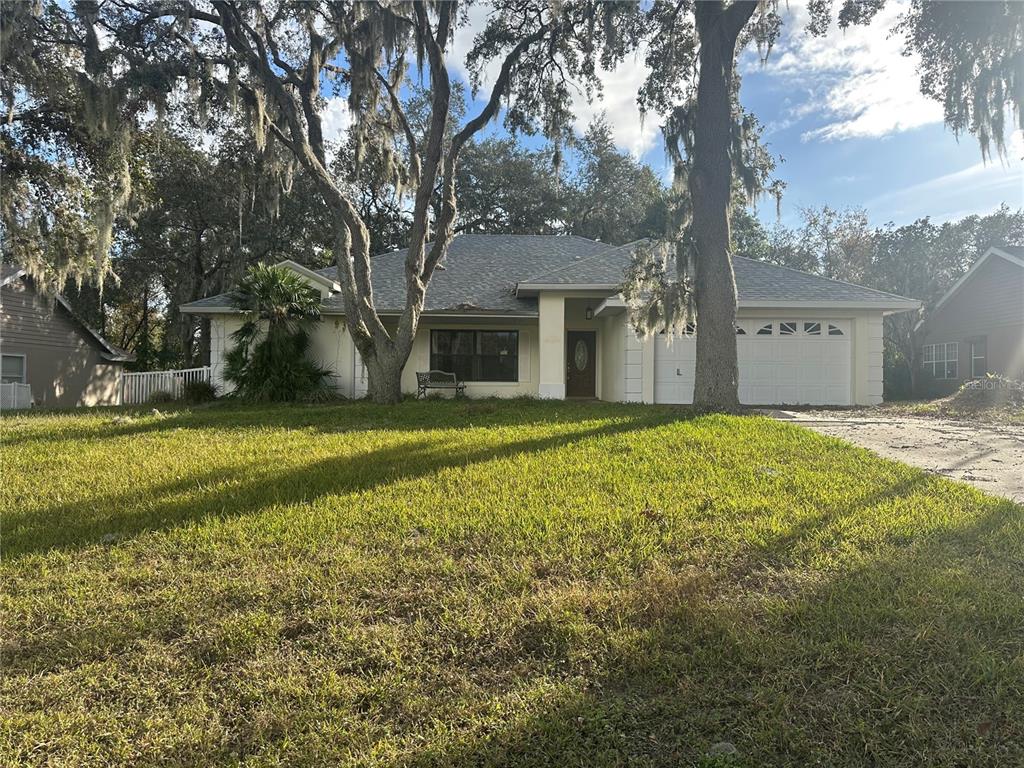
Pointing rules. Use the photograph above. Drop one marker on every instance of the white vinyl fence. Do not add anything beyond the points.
(137, 388)
(15, 396)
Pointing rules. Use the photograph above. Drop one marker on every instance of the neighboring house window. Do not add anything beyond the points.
(476, 355)
(12, 369)
(979, 358)
(787, 328)
(765, 330)
(812, 329)
(940, 360)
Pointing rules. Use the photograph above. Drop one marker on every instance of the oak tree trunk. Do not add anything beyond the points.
(716, 385)
(384, 379)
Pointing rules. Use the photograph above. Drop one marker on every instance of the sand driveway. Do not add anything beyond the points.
(988, 456)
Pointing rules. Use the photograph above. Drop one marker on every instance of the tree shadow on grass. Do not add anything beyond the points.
(245, 490)
(346, 417)
(909, 657)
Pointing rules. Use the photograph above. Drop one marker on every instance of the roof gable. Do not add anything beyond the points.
(1012, 253)
(10, 273)
(321, 278)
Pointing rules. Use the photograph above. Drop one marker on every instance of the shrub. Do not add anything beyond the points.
(198, 392)
(270, 358)
(161, 396)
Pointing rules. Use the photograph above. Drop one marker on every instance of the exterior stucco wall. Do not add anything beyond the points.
(551, 359)
(221, 328)
(613, 358)
(989, 305)
(64, 365)
(625, 362)
(332, 348)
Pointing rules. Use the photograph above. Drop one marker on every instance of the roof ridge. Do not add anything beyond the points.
(820, 277)
(489, 234)
(585, 259)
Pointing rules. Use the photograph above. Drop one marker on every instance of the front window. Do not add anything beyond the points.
(12, 369)
(476, 355)
(940, 360)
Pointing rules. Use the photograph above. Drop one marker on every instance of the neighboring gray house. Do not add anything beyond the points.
(977, 327)
(45, 345)
(542, 316)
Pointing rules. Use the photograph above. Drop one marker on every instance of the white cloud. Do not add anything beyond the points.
(850, 83)
(335, 118)
(618, 98)
(856, 80)
(632, 131)
(979, 185)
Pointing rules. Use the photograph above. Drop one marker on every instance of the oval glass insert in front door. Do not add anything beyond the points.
(581, 356)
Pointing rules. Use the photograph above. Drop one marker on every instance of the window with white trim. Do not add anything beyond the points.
(787, 328)
(941, 360)
(765, 330)
(812, 328)
(12, 369)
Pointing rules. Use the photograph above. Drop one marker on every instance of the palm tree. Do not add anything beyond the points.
(269, 360)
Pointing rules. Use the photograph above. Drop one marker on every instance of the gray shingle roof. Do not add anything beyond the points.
(761, 281)
(604, 268)
(481, 274)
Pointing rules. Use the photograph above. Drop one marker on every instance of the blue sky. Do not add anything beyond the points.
(844, 111)
(847, 115)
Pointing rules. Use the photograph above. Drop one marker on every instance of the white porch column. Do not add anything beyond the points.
(867, 359)
(551, 379)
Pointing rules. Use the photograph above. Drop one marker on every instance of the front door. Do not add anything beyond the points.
(581, 364)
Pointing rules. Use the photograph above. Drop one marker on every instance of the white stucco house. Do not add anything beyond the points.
(542, 315)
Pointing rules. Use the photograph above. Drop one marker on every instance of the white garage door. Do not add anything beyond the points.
(782, 362)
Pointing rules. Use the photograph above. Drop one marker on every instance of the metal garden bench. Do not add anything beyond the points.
(426, 380)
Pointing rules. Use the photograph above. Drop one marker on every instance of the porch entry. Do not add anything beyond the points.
(581, 364)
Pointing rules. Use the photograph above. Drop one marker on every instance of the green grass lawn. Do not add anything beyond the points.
(518, 584)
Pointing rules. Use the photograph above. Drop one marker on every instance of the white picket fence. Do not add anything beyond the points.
(137, 388)
(15, 396)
